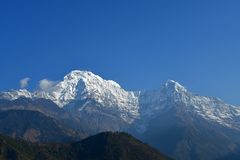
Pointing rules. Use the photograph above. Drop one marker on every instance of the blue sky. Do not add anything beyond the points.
(139, 44)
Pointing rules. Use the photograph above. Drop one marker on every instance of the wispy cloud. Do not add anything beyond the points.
(44, 84)
(24, 82)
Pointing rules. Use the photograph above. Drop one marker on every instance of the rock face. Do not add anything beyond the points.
(189, 124)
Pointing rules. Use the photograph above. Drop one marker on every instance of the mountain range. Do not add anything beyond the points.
(179, 123)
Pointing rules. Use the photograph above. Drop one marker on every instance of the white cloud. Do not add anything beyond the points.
(24, 82)
(44, 84)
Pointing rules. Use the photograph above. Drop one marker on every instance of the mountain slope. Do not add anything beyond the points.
(35, 126)
(104, 146)
(186, 137)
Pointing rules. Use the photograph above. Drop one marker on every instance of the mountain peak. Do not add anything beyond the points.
(74, 84)
(88, 77)
(78, 74)
(173, 86)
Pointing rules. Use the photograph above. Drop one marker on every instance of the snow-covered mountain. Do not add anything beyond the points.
(15, 94)
(191, 121)
(84, 86)
(173, 95)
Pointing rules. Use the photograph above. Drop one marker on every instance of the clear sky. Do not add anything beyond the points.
(139, 44)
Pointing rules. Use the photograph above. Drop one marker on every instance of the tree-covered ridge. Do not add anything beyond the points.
(103, 146)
